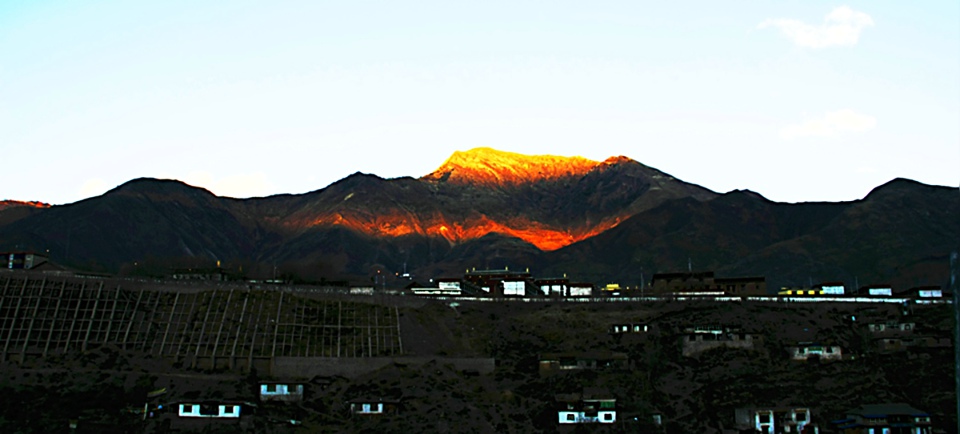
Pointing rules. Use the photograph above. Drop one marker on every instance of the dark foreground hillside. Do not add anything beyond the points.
(102, 387)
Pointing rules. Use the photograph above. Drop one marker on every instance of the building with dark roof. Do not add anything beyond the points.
(896, 418)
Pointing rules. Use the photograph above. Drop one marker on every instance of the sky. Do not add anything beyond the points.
(796, 100)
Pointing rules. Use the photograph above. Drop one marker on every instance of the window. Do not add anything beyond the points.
(366, 408)
(271, 388)
(571, 417)
(607, 416)
(186, 408)
(227, 409)
(764, 417)
(829, 349)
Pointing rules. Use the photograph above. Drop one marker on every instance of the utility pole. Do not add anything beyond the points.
(956, 328)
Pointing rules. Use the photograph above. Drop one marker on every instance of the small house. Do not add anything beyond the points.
(287, 392)
(927, 294)
(374, 406)
(210, 409)
(551, 363)
(771, 420)
(815, 351)
(832, 288)
(592, 405)
(23, 260)
(751, 285)
(447, 287)
(553, 287)
(891, 327)
(889, 344)
(702, 338)
(623, 328)
(580, 289)
(876, 290)
(800, 292)
(885, 418)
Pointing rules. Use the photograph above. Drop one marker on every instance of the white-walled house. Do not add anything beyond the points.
(593, 405)
(215, 410)
(770, 420)
(272, 391)
(514, 288)
(374, 406)
(806, 350)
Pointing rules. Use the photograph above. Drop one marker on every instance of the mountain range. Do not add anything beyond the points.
(611, 221)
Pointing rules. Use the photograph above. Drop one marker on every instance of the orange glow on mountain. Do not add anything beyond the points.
(482, 169)
(4, 204)
(488, 166)
(398, 225)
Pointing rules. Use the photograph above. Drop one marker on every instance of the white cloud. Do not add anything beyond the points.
(92, 187)
(841, 27)
(830, 124)
(242, 185)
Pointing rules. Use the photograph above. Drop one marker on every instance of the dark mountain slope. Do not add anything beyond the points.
(902, 229)
(598, 221)
(141, 218)
(901, 233)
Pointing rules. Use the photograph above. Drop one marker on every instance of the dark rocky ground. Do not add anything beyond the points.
(695, 394)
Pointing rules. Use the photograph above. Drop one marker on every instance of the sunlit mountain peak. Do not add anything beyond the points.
(489, 166)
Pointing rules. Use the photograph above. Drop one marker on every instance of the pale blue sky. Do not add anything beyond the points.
(797, 100)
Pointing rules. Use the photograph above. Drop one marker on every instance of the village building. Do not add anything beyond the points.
(800, 292)
(443, 286)
(891, 327)
(649, 420)
(285, 392)
(927, 294)
(892, 344)
(211, 274)
(775, 420)
(753, 285)
(893, 418)
(623, 328)
(881, 290)
(552, 363)
(702, 338)
(592, 405)
(23, 260)
(367, 406)
(705, 283)
(553, 286)
(580, 289)
(832, 288)
(815, 351)
(499, 283)
(667, 283)
(210, 409)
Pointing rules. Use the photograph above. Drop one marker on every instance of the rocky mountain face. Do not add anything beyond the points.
(599, 221)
